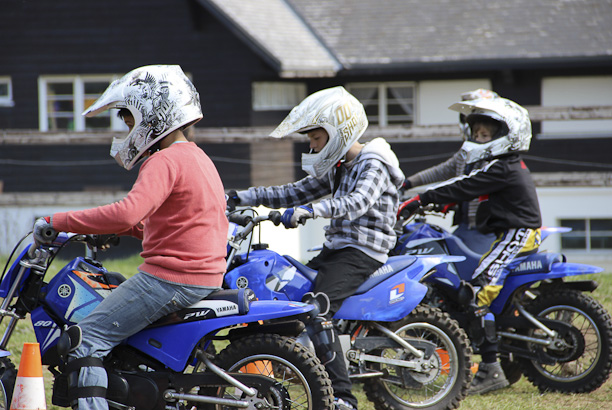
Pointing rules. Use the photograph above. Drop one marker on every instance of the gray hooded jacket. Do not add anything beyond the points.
(362, 209)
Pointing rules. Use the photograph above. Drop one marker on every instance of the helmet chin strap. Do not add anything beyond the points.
(155, 147)
(337, 176)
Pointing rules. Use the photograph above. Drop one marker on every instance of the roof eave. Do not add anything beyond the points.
(483, 64)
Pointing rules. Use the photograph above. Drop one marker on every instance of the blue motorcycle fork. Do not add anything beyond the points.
(16, 280)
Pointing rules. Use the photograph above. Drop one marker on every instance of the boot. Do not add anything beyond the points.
(340, 404)
(489, 377)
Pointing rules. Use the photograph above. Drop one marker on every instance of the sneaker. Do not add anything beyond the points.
(340, 404)
(489, 377)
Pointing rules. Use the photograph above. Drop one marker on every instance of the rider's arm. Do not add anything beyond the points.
(441, 172)
(283, 196)
(152, 187)
(491, 178)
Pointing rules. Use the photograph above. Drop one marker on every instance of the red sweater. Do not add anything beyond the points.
(177, 207)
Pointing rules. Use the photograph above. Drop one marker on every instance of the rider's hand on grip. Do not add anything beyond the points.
(407, 208)
(444, 208)
(406, 185)
(294, 216)
(232, 200)
(43, 231)
(103, 242)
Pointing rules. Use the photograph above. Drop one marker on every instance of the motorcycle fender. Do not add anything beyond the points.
(389, 301)
(557, 271)
(4, 353)
(9, 277)
(173, 344)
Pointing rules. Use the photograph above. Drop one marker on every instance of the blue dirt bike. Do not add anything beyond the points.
(549, 329)
(406, 354)
(169, 364)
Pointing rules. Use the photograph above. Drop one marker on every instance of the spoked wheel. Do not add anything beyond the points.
(8, 375)
(581, 359)
(440, 381)
(304, 381)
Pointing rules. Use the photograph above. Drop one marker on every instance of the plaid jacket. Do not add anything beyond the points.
(363, 208)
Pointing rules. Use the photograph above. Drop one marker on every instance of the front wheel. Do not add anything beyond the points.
(442, 382)
(8, 375)
(296, 368)
(584, 360)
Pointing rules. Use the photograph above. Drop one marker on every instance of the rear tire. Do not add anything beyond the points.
(586, 368)
(440, 390)
(283, 359)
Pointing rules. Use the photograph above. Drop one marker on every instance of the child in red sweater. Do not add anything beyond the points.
(177, 200)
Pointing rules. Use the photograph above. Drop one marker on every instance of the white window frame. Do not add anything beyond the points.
(276, 95)
(383, 117)
(587, 236)
(78, 89)
(7, 100)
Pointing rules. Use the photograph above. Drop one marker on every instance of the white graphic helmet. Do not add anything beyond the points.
(160, 98)
(336, 111)
(514, 132)
(468, 96)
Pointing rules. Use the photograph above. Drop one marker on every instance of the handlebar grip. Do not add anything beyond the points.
(240, 219)
(275, 217)
(48, 234)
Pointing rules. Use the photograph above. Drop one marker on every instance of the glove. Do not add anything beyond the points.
(232, 200)
(104, 241)
(406, 185)
(43, 231)
(445, 208)
(406, 209)
(294, 216)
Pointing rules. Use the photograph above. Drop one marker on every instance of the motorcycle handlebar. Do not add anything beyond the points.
(48, 235)
(240, 219)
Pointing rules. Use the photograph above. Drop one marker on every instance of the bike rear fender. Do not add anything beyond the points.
(557, 271)
(173, 345)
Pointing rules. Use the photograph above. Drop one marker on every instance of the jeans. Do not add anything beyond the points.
(135, 304)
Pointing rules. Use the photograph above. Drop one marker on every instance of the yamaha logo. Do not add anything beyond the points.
(64, 291)
(242, 282)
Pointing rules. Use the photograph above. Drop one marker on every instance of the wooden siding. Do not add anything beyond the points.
(69, 168)
(114, 37)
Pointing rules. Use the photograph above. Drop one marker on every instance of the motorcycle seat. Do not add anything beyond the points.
(310, 274)
(394, 264)
(225, 302)
(457, 247)
(537, 262)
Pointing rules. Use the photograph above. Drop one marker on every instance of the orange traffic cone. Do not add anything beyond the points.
(29, 393)
(263, 367)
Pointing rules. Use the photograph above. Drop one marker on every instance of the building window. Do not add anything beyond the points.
(275, 96)
(386, 103)
(6, 92)
(587, 234)
(63, 99)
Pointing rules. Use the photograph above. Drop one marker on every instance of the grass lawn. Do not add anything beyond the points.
(521, 396)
